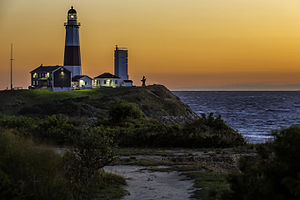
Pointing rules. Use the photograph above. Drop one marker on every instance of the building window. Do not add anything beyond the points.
(104, 82)
(34, 75)
(116, 81)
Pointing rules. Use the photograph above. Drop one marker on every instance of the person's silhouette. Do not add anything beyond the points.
(144, 81)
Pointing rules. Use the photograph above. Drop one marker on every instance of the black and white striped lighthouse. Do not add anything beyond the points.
(72, 59)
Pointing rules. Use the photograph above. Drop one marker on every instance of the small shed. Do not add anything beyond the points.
(80, 82)
(127, 83)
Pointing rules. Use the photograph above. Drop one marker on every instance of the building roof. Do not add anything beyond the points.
(107, 75)
(46, 69)
(78, 77)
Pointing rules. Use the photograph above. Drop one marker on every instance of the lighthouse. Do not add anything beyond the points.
(72, 58)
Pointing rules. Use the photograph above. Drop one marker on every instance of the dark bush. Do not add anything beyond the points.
(84, 162)
(21, 123)
(58, 129)
(121, 112)
(204, 132)
(274, 174)
(28, 172)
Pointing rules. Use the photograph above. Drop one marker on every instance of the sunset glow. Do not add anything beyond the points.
(183, 44)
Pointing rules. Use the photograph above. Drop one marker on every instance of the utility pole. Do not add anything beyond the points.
(11, 67)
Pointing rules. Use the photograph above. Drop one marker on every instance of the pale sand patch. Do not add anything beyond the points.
(149, 185)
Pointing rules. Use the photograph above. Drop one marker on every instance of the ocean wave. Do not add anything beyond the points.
(278, 110)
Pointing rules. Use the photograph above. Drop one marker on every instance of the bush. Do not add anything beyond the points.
(121, 112)
(28, 172)
(274, 174)
(31, 172)
(83, 163)
(204, 132)
(58, 129)
(212, 132)
(23, 124)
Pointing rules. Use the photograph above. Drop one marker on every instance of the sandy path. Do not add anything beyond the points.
(148, 185)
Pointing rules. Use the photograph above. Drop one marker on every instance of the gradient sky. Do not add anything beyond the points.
(183, 44)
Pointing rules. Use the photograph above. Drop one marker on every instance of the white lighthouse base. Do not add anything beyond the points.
(75, 70)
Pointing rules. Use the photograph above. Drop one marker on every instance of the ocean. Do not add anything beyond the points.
(254, 114)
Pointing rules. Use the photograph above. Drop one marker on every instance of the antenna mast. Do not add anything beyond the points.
(11, 67)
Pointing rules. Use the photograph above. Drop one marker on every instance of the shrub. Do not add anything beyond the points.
(23, 124)
(59, 129)
(204, 132)
(274, 174)
(28, 172)
(83, 164)
(121, 112)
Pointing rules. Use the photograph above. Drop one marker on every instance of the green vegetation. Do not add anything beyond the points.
(204, 132)
(210, 185)
(154, 101)
(129, 129)
(122, 112)
(274, 174)
(28, 171)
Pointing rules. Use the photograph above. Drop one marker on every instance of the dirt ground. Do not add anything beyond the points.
(153, 185)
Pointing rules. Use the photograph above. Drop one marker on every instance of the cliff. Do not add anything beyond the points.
(156, 102)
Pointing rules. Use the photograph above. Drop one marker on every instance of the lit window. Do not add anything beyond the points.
(34, 75)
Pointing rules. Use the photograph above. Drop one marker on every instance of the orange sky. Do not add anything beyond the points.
(184, 44)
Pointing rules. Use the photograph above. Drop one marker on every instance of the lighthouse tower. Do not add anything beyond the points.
(72, 59)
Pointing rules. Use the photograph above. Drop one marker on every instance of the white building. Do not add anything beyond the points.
(121, 66)
(107, 80)
(80, 82)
